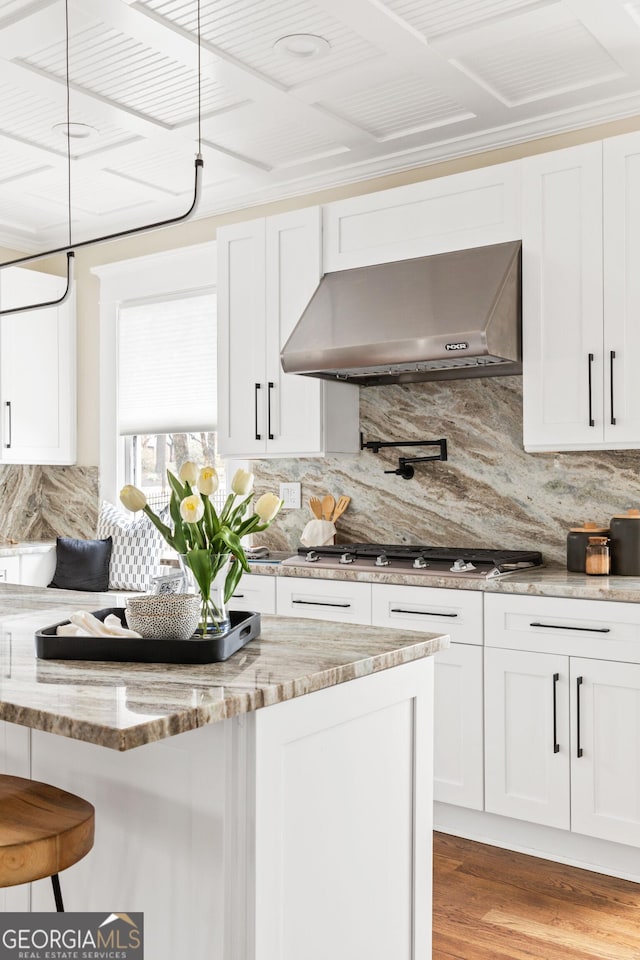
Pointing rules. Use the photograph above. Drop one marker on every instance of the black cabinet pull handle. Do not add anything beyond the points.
(556, 745)
(579, 682)
(321, 603)
(8, 443)
(255, 409)
(612, 356)
(423, 613)
(270, 386)
(238, 596)
(559, 626)
(591, 420)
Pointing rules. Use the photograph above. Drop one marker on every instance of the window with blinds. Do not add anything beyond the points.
(167, 366)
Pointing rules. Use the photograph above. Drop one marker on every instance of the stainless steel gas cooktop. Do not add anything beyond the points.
(472, 563)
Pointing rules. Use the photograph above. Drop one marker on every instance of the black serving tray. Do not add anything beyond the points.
(245, 626)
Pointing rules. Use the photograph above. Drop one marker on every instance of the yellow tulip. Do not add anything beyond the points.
(242, 483)
(189, 472)
(267, 506)
(192, 509)
(132, 498)
(208, 481)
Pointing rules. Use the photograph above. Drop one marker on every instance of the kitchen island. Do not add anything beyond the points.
(274, 806)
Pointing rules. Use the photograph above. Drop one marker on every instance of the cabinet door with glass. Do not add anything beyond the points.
(37, 371)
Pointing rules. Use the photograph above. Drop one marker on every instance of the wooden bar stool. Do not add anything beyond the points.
(43, 830)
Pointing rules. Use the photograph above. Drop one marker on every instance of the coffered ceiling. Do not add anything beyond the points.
(398, 83)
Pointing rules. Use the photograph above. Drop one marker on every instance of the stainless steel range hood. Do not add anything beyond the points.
(449, 316)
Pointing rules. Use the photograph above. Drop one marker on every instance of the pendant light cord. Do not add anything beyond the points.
(199, 87)
(66, 24)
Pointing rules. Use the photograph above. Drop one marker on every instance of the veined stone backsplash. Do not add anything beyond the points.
(489, 492)
(40, 503)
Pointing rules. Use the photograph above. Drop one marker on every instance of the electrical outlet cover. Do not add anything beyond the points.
(290, 495)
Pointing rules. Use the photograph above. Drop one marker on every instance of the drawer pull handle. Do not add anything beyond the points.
(556, 745)
(579, 682)
(591, 420)
(256, 387)
(560, 626)
(321, 603)
(238, 596)
(423, 613)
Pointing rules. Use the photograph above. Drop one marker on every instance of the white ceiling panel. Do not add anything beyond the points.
(399, 107)
(32, 118)
(436, 17)
(248, 29)
(403, 83)
(124, 71)
(540, 64)
(279, 144)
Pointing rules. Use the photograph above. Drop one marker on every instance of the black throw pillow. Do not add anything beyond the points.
(82, 564)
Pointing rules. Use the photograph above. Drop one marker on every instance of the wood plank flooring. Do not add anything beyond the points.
(493, 904)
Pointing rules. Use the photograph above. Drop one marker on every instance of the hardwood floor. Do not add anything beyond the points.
(492, 904)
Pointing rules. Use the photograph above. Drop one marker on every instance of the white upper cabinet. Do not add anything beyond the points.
(581, 295)
(448, 213)
(37, 371)
(267, 273)
(622, 289)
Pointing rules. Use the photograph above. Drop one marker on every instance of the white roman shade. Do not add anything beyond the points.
(167, 370)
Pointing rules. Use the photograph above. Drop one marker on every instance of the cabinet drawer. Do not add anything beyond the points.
(433, 610)
(9, 569)
(255, 592)
(601, 629)
(338, 600)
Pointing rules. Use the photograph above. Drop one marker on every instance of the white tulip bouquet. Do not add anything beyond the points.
(206, 540)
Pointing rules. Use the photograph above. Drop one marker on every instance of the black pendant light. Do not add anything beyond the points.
(69, 248)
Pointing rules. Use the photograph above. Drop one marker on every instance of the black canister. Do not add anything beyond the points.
(577, 541)
(625, 544)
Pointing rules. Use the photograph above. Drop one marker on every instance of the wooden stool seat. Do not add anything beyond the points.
(43, 830)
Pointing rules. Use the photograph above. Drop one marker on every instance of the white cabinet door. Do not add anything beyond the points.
(302, 412)
(37, 371)
(622, 288)
(255, 592)
(562, 299)
(267, 273)
(448, 213)
(10, 570)
(605, 760)
(458, 727)
(242, 389)
(527, 768)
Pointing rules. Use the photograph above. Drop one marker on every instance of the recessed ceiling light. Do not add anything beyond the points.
(77, 131)
(302, 46)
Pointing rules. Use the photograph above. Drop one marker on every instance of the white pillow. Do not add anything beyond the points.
(137, 545)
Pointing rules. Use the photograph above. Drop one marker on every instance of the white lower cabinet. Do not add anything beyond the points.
(338, 600)
(527, 736)
(10, 570)
(562, 719)
(255, 592)
(458, 758)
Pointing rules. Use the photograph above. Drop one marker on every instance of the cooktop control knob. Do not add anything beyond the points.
(312, 556)
(461, 566)
(382, 560)
(347, 558)
(420, 563)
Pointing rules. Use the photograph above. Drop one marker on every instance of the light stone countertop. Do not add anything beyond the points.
(537, 582)
(25, 546)
(125, 705)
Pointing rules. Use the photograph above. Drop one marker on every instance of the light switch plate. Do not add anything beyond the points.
(290, 495)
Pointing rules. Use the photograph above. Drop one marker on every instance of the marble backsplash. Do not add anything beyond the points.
(40, 503)
(489, 492)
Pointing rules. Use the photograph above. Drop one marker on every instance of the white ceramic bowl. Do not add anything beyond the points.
(161, 616)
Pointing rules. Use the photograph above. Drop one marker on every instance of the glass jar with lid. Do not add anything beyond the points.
(577, 541)
(597, 559)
